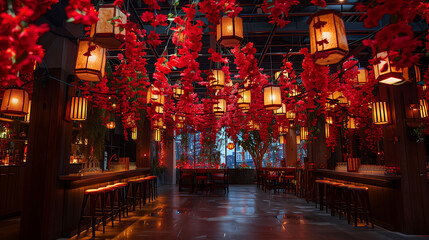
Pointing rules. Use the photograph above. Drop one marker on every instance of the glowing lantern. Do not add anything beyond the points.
(244, 98)
(282, 139)
(179, 125)
(159, 109)
(304, 133)
(252, 125)
(230, 31)
(90, 68)
(180, 117)
(104, 31)
(217, 80)
(134, 133)
(328, 36)
(111, 125)
(327, 130)
(329, 120)
(338, 95)
(423, 108)
(78, 108)
(361, 78)
(285, 74)
(294, 91)
(157, 136)
(157, 123)
(281, 111)
(351, 123)
(219, 108)
(283, 130)
(380, 114)
(272, 97)
(384, 71)
(27, 117)
(230, 146)
(245, 109)
(154, 96)
(15, 102)
(298, 140)
(290, 115)
(177, 92)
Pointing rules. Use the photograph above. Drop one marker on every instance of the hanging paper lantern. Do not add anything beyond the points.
(27, 117)
(298, 140)
(78, 108)
(111, 125)
(157, 123)
(90, 68)
(361, 78)
(244, 98)
(284, 72)
(282, 139)
(327, 133)
(304, 133)
(341, 99)
(230, 146)
(177, 92)
(180, 117)
(230, 31)
(134, 133)
(380, 113)
(154, 96)
(103, 33)
(272, 97)
(252, 125)
(294, 91)
(217, 80)
(329, 120)
(179, 125)
(423, 108)
(384, 71)
(219, 108)
(280, 111)
(290, 115)
(245, 109)
(159, 109)
(15, 102)
(283, 130)
(351, 123)
(328, 37)
(157, 134)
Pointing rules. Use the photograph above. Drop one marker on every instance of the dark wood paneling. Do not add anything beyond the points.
(11, 185)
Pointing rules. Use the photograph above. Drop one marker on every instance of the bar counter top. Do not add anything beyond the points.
(77, 180)
(376, 180)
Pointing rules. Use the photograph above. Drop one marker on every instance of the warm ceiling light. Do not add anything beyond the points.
(219, 108)
(230, 31)
(157, 123)
(423, 108)
(230, 146)
(298, 140)
(338, 95)
(159, 109)
(104, 31)
(290, 115)
(157, 134)
(15, 102)
(327, 133)
(252, 125)
(177, 92)
(361, 77)
(78, 108)
(217, 80)
(328, 36)
(244, 98)
(154, 96)
(179, 125)
(281, 110)
(304, 133)
(134, 133)
(283, 130)
(27, 116)
(329, 120)
(90, 68)
(111, 125)
(272, 97)
(384, 71)
(380, 113)
(282, 139)
(351, 123)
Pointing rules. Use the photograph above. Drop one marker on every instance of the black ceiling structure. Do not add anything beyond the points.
(271, 42)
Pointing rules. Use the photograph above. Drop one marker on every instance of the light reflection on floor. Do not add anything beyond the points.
(245, 213)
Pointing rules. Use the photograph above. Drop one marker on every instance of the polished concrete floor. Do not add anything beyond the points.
(245, 213)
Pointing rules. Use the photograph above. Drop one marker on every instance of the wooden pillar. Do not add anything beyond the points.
(170, 163)
(318, 153)
(403, 151)
(291, 148)
(144, 135)
(49, 135)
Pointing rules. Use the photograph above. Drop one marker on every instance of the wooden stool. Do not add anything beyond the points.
(320, 186)
(136, 192)
(331, 195)
(343, 200)
(93, 195)
(360, 204)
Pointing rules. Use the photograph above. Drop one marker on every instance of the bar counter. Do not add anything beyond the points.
(75, 186)
(384, 194)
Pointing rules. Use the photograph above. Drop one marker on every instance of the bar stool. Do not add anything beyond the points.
(136, 192)
(343, 200)
(331, 195)
(108, 197)
(93, 195)
(320, 187)
(151, 180)
(122, 197)
(360, 204)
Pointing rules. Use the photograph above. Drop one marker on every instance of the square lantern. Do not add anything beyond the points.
(217, 80)
(272, 97)
(90, 68)
(351, 123)
(304, 133)
(159, 109)
(298, 140)
(244, 98)
(229, 32)
(15, 102)
(179, 117)
(154, 96)
(423, 108)
(111, 125)
(281, 111)
(134, 133)
(27, 116)
(380, 113)
(327, 133)
(338, 95)
(386, 73)
(104, 32)
(283, 130)
(294, 91)
(179, 125)
(361, 77)
(245, 109)
(78, 108)
(328, 36)
(157, 123)
(282, 139)
(329, 120)
(290, 115)
(177, 92)
(157, 135)
(219, 108)
(284, 73)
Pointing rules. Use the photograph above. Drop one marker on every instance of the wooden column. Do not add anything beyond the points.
(402, 150)
(170, 163)
(144, 135)
(291, 148)
(318, 153)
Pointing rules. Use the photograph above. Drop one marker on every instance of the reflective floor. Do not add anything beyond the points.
(245, 213)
